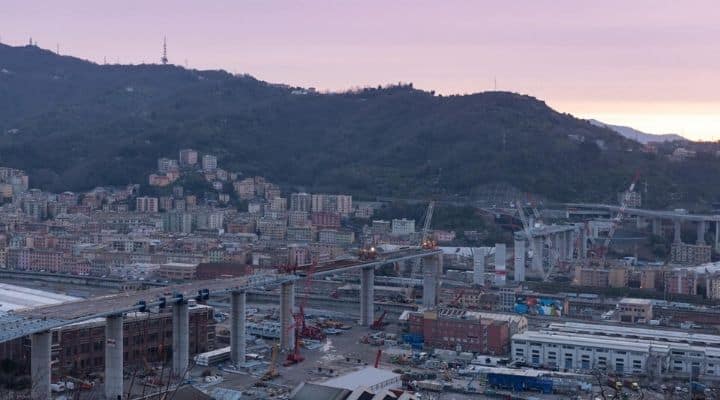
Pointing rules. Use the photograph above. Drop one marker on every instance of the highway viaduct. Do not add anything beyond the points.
(38, 322)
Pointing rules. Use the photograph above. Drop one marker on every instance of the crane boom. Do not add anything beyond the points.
(426, 241)
(618, 218)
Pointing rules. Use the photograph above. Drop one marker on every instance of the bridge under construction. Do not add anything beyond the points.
(38, 322)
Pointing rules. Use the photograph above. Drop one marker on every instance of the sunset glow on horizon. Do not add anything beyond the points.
(651, 65)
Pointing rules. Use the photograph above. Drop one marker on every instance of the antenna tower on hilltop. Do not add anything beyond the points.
(164, 58)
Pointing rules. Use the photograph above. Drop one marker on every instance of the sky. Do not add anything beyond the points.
(653, 65)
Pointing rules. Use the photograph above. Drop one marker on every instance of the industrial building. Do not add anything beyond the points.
(640, 352)
(453, 329)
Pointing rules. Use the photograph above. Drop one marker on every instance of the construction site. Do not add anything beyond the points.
(393, 319)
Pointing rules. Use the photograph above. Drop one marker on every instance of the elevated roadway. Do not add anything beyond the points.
(25, 322)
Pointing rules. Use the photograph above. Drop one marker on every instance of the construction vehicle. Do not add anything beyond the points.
(379, 324)
(368, 253)
(307, 331)
(272, 373)
(294, 357)
(377, 358)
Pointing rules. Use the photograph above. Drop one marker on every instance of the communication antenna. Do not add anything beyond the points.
(495, 79)
(164, 58)
(57, 48)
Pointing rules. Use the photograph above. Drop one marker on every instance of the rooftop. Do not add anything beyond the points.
(633, 332)
(637, 302)
(365, 377)
(13, 298)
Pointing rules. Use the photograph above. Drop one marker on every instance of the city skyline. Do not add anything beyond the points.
(648, 65)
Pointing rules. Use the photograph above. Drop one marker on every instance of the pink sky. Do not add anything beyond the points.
(654, 65)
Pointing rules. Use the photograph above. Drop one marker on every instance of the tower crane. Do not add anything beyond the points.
(428, 242)
(603, 250)
(526, 229)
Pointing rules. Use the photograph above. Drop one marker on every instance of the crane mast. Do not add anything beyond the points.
(618, 218)
(427, 241)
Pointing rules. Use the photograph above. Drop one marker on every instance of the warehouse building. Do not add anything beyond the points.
(620, 350)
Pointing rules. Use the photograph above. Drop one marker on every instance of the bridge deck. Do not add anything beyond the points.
(25, 322)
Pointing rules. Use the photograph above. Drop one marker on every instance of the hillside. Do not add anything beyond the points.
(639, 136)
(73, 125)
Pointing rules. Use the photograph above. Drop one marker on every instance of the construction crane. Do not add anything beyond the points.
(527, 230)
(308, 331)
(294, 357)
(379, 323)
(272, 373)
(428, 242)
(603, 250)
(554, 255)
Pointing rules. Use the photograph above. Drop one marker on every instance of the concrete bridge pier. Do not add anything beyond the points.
(432, 269)
(40, 352)
(519, 250)
(180, 338)
(656, 226)
(367, 296)
(237, 327)
(701, 228)
(537, 260)
(114, 357)
(287, 320)
(677, 234)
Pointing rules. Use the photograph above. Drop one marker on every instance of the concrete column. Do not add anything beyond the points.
(561, 246)
(478, 266)
(583, 243)
(181, 338)
(677, 226)
(432, 267)
(367, 296)
(287, 320)
(701, 228)
(113, 357)
(237, 328)
(519, 250)
(657, 226)
(537, 261)
(500, 264)
(40, 365)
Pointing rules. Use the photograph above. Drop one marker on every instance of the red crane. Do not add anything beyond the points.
(294, 357)
(301, 329)
(378, 324)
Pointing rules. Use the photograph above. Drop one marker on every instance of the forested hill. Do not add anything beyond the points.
(73, 125)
